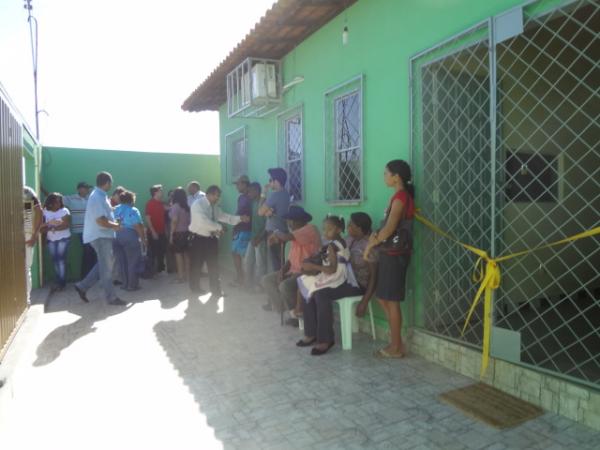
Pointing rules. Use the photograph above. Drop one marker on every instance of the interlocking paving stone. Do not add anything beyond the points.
(171, 372)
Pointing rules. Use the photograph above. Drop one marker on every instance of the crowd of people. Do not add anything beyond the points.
(181, 234)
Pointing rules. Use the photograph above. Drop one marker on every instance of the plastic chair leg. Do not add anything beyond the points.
(346, 325)
(372, 322)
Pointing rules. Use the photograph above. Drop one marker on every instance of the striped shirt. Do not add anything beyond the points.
(76, 205)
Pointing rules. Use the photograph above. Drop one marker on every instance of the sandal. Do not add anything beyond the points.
(303, 343)
(381, 353)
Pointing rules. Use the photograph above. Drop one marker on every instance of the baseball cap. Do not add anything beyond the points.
(83, 184)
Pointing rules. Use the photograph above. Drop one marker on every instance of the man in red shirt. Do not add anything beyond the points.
(155, 220)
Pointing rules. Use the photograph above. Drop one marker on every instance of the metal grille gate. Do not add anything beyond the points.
(535, 179)
(12, 241)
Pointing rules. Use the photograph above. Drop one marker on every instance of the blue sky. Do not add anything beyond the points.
(113, 73)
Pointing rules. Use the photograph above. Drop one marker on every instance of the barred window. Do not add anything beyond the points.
(236, 154)
(344, 150)
(291, 151)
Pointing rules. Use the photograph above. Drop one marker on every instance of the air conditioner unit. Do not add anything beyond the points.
(264, 81)
(254, 88)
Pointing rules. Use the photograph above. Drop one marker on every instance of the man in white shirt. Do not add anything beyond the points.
(194, 192)
(205, 231)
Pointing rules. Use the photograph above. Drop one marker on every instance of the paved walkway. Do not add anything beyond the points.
(175, 373)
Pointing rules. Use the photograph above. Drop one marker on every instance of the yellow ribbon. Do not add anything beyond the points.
(487, 273)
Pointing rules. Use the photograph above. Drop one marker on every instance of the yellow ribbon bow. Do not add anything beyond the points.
(487, 273)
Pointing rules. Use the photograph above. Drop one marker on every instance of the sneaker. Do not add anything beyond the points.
(117, 302)
(81, 293)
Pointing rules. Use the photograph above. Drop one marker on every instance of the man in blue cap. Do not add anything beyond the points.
(275, 204)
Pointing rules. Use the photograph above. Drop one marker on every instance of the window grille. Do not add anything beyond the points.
(236, 154)
(291, 151)
(344, 143)
(507, 148)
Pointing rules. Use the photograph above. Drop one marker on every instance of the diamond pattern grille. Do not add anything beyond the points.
(348, 146)
(294, 156)
(548, 108)
(456, 176)
(545, 178)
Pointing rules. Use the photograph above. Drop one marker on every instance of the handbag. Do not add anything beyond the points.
(401, 241)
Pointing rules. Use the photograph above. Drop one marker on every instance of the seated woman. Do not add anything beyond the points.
(128, 249)
(57, 220)
(360, 280)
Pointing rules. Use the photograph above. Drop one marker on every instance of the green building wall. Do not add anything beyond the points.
(63, 168)
(383, 35)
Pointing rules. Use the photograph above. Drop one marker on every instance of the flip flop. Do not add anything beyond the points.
(381, 353)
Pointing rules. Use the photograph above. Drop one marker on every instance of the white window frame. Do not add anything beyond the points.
(346, 89)
(231, 139)
(282, 144)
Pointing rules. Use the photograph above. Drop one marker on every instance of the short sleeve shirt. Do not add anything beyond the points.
(128, 216)
(49, 216)
(182, 216)
(307, 242)
(359, 265)
(97, 206)
(407, 202)
(156, 211)
(76, 205)
(279, 202)
(244, 208)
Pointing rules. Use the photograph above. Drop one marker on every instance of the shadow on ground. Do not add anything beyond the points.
(258, 390)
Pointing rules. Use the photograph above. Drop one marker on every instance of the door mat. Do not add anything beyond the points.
(491, 406)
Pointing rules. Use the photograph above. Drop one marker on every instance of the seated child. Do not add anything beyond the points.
(330, 268)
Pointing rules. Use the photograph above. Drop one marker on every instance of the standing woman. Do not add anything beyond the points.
(394, 242)
(128, 250)
(57, 220)
(179, 214)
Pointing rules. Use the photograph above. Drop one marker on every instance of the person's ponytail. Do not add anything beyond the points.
(402, 169)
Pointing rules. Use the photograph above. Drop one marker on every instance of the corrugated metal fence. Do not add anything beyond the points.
(12, 246)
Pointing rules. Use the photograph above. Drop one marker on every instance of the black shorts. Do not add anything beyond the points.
(391, 277)
(180, 241)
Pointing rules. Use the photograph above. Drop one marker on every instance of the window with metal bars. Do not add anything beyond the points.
(343, 143)
(513, 166)
(236, 154)
(291, 151)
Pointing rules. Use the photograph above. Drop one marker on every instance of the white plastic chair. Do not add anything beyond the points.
(349, 323)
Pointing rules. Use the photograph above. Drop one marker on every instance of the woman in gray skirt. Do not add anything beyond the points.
(393, 243)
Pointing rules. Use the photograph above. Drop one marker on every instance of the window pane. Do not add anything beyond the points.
(348, 169)
(295, 180)
(347, 121)
(239, 159)
(294, 138)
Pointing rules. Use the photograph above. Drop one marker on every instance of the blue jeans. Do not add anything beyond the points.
(102, 270)
(58, 252)
(255, 263)
(128, 253)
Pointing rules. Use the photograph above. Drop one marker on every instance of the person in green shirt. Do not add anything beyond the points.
(255, 259)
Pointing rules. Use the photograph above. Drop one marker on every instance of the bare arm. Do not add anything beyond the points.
(37, 224)
(392, 222)
(139, 228)
(173, 227)
(362, 306)
(151, 227)
(388, 229)
(65, 222)
(104, 222)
